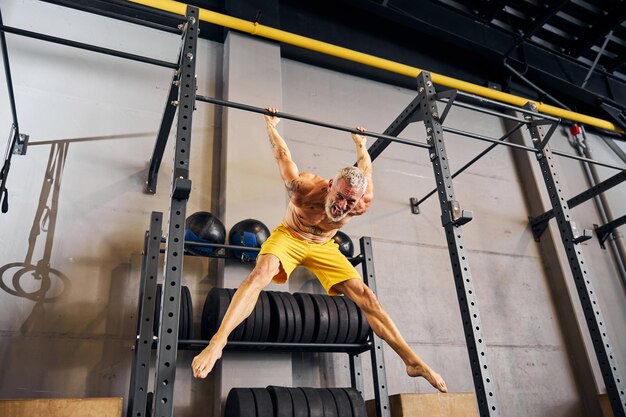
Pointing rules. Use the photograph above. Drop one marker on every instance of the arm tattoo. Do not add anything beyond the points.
(293, 187)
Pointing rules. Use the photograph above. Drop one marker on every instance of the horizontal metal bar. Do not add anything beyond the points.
(591, 161)
(508, 106)
(585, 195)
(277, 347)
(309, 121)
(486, 111)
(216, 245)
(487, 139)
(87, 47)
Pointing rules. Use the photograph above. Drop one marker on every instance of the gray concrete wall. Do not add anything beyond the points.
(92, 121)
(101, 115)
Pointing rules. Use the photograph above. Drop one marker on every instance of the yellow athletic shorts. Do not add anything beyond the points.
(323, 259)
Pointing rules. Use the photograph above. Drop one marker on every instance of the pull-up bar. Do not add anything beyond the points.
(256, 29)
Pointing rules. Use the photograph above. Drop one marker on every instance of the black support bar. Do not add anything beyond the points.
(381, 398)
(406, 117)
(571, 241)
(87, 47)
(605, 231)
(164, 132)
(538, 224)
(138, 403)
(181, 187)
(476, 346)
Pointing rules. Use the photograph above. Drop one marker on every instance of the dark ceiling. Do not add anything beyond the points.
(570, 53)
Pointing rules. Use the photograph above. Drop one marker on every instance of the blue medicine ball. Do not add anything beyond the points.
(251, 233)
(206, 228)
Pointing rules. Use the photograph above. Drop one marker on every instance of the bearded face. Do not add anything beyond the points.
(341, 199)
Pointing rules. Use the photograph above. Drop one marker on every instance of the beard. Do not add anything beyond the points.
(329, 212)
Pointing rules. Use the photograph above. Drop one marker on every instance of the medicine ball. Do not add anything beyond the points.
(250, 233)
(345, 244)
(206, 228)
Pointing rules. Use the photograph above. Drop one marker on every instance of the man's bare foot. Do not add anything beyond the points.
(431, 376)
(203, 364)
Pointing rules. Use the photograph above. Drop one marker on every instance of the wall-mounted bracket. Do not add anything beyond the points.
(182, 189)
(20, 144)
(455, 215)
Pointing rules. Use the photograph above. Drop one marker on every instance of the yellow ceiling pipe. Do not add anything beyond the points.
(373, 61)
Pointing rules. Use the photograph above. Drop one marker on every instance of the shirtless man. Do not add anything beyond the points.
(318, 208)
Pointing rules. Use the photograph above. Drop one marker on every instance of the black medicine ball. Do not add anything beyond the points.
(206, 228)
(345, 244)
(249, 232)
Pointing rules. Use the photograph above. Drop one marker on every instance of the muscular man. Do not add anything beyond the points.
(317, 209)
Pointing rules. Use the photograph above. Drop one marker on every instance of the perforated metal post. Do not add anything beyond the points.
(452, 217)
(168, 331)
(356, 372)
(571, 241)
(381, 396)
(140, 370)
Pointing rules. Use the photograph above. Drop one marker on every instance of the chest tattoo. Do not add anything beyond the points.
(315, 230)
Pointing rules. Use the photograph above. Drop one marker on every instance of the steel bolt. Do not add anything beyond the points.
(189, 56)
(174, 103)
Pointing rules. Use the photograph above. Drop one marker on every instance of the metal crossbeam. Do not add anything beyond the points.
(164, 132)
(452, 219)
(538, 224)
(604, 231)
(406, 117)
(571, 241)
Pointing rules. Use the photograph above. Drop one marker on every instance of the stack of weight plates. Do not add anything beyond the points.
(282, 317)
(276, 401)
(185, 318)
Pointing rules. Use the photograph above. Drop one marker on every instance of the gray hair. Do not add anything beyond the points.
(353, 176)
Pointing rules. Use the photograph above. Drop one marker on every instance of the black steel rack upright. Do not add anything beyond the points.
(140, 397)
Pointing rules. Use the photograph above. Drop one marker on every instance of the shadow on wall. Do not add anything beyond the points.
(45, 284)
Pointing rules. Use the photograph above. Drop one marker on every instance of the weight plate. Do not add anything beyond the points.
(240, 403)
(281, 400)
(289, 318)
(316, 408)
(333, 319)
(353, 322)
(357, 402)
(264, 406)
(344, 319)
(321, 318)
(307, 311)
(278, 328)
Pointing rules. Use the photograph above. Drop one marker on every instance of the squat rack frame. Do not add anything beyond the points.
(423, 108)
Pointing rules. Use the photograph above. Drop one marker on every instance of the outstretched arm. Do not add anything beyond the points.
(364, 162)
(288, 169)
